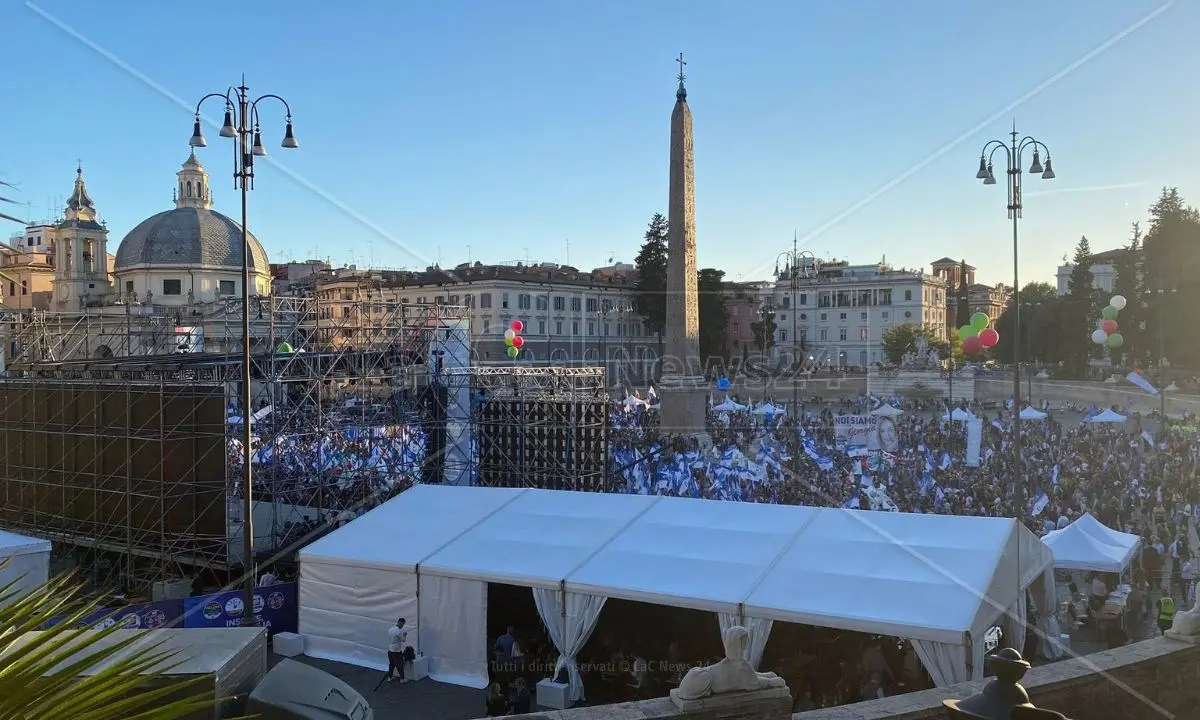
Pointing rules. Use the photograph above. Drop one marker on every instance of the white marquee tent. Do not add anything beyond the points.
(1108, 416)
(1031, 413)
(25, 560)
(428, 555)
(1075, 549)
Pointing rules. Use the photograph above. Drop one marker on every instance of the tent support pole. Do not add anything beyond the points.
(741, 614)
(417, 572)
(970, 645)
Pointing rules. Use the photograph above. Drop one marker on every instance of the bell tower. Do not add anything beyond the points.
(80, 253)
(193, 190)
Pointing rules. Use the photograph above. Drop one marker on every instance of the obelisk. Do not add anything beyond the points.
(684, 396)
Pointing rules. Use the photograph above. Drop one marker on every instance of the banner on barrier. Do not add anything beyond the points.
(274, 608)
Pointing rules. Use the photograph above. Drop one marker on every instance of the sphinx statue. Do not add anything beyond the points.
(733, 674)
(1186, 624)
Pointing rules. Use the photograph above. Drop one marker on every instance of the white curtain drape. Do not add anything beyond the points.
(1045, 593)
(759, 630)
(945, 663)
(1014, 624)
(569, 630)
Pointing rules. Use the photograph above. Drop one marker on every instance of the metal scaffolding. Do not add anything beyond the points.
(340, 419)
(544, 427)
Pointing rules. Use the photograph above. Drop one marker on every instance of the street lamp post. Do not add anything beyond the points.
(1012, 153)
(241, 123)
(799, 264)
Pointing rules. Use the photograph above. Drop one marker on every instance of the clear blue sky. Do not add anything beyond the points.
(512, 127)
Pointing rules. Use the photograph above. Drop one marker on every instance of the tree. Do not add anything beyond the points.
(764, 329)
(714, 316)
(1171, 261)
(54, 674)
(962, 312)
(1128, 284)
(1079, 313)
(900, 340)
(1040, 310)
(650, 290)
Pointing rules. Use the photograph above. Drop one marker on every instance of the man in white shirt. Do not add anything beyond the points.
(397, 642)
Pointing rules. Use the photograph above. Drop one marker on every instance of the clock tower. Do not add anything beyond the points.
(81, 277)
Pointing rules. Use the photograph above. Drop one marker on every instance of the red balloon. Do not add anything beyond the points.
(518, 342)
(1109, 326)
(989, 337)
(518, 326)
(972, 345)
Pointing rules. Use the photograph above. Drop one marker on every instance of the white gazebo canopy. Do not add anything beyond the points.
(1089, 524)
(1031, 413)
(1108, 416)
(1075, 549)
(428, 554)
(886, 410)
(25, 560)
(958, 414)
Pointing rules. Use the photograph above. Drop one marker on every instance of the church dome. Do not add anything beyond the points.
(190, 237)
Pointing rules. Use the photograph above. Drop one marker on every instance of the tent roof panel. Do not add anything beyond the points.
(410, 527)
(538, 539)
(919, 576)
(14, 544)
(695, 553)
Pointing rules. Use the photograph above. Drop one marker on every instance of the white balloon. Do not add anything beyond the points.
(1117, 301)
(1099, 337)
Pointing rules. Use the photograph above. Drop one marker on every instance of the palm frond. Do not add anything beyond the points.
(98, 672)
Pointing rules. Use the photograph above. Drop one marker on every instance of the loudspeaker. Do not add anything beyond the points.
(295, 691)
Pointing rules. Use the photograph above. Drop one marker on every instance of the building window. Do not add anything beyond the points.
(591, 329)
(787, 301)
(543, 303)
(469, 301)
(485, 300)
(558, 327)
(607, 326)
(559, 303)
(884, 297)
(129, 287)
(885, 314)
(487, 326)
(783, 336)
(227, 287)
(172, 287)
(824, 334)
(842, 334)
(504, 301)
(12, 289)
(907, 295)
(862, 333)
(575, 327)
(862, 316)
(736, 328)
(824, 317)
(843, 316)
(803, 299)
(592, 305)
(522, 302)
(541, 327)
(576, 304)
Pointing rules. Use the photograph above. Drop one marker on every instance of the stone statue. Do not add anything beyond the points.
(1186, 625)
(191, 297)
(733, 674)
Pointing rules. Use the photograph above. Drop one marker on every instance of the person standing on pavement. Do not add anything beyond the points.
(397, 643)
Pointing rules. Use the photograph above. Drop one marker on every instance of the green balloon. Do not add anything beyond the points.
(1109, 313)
(284, 348)
(966, 331)
(509, 342)
(980, 321)
(512, 351)
(1115, 340)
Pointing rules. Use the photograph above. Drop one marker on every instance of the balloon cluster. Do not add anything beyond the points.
(978, 335)
(723, 383)
(513, 339)
(1106, 333)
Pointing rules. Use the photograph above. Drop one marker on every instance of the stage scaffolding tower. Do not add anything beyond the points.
(142, 406)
